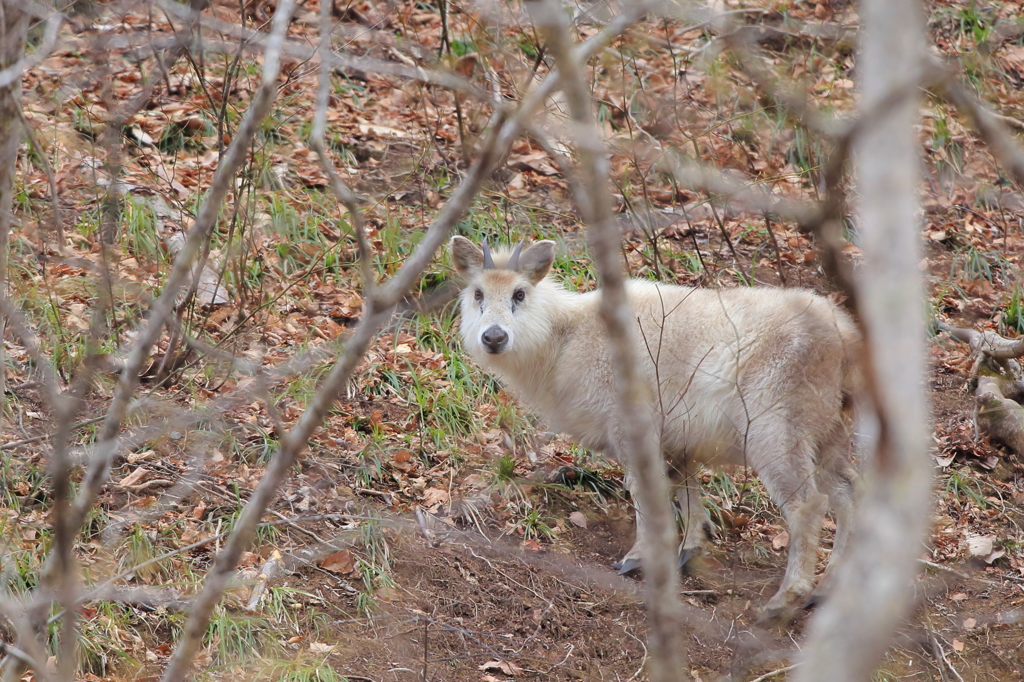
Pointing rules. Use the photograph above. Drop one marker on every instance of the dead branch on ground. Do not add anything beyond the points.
(990, 126)
(997, 381)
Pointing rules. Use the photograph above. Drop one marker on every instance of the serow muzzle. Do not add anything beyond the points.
(494, 339)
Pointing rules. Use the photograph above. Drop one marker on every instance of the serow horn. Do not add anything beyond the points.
(513, 262)
(488, 261)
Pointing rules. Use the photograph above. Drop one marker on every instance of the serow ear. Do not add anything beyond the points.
(466, 256)
(535, 262)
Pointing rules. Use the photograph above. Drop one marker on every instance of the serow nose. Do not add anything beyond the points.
(494, 338)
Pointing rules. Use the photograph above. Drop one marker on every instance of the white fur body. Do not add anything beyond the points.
(753, 376)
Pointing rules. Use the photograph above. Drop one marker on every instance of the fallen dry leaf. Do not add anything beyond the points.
(433, 498)
(534, 161)
(466, 64)
(507, 667)
(989, 463)
(321, 648)
(578, 519)
(403, 461)
(340, 562)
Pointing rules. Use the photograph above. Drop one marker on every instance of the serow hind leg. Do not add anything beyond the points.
(836, 477)
(803, 514)
(786, 466)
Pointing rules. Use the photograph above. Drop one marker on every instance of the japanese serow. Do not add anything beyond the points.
(752, 376)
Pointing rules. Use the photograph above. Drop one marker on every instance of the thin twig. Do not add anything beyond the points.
(51, 179)
(376, 312)
(775, 245)
(14, 33)
(255, 39)
(752, 197)
(30, 342)
(775, 673)
(938, 652)
(54, 20)
(100, 589)
(958, 574)
(318, 143)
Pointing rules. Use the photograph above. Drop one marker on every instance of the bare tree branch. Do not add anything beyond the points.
(254, 40)
(30, 341)
(751, 197)
(60, 573)
(12, 70)
(638, 434)
(590, 186)
(989, 125)
(58, 221)
(13, 35)
(376, 311)
(30, 650)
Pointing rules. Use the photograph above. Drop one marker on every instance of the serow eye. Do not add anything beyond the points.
(519, 295)
(478, 295)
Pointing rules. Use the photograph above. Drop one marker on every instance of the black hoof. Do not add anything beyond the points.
(814, 601)
(626, 566)
(685, 558)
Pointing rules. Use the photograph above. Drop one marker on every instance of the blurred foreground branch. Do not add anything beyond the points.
(638, 435)
(60, 572)
(853, 629)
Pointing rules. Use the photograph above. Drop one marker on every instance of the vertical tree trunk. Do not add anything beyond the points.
(13, 34)
(873, 592)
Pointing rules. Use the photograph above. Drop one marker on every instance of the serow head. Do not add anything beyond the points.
(497, 301)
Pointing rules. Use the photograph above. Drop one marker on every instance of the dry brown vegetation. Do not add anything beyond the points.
(432, 529)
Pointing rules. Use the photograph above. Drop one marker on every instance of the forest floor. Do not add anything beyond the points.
(434, 530)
